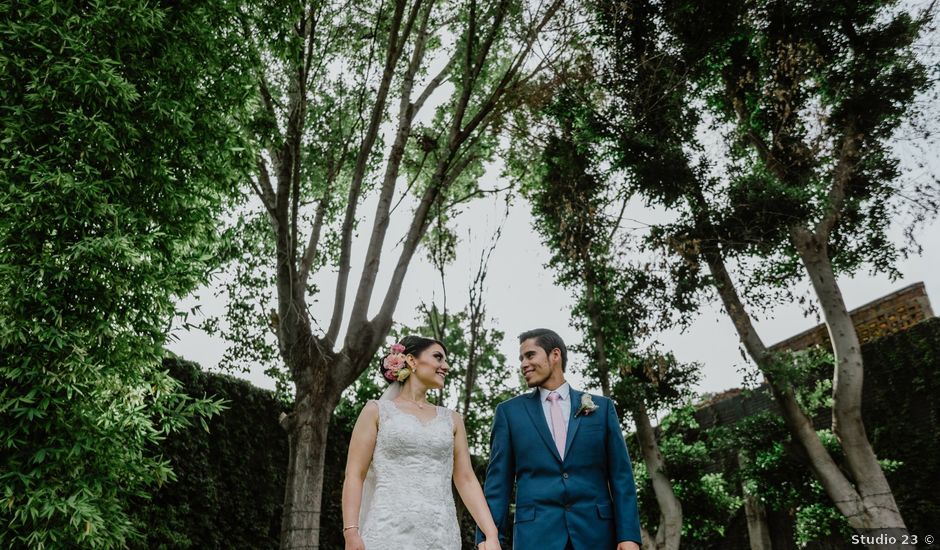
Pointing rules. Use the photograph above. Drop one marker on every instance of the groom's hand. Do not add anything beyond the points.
(628, 545)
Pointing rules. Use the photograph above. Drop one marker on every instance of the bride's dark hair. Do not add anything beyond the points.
(413, 345)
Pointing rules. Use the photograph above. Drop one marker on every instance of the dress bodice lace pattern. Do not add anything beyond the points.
(412, 505)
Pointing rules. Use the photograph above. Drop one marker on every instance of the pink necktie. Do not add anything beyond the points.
(559, 430)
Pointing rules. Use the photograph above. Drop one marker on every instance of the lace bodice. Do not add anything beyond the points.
(412, 507)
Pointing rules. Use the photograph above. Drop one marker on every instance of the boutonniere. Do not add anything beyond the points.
(587, 405)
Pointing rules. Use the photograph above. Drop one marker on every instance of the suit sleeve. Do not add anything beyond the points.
(622, 485)
(500, 475)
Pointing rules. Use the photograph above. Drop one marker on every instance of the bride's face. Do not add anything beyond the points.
(431, 366)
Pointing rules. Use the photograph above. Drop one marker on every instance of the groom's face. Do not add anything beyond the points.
(537, 366)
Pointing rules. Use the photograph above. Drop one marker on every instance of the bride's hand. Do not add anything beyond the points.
(353, 540)
(490, 544)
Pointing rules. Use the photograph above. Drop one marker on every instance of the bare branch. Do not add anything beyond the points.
(365, 149)
(476, 193)
(380, 225)
(434, 84)
(478, 312)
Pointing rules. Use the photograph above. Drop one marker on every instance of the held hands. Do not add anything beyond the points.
(490, 544)
(628, 545)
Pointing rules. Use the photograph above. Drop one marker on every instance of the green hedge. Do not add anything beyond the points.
(230, 481)
(229, 490)
(901, 411)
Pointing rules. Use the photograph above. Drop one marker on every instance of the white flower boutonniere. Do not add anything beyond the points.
(587, 405)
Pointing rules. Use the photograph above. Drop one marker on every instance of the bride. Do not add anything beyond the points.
(403, 454)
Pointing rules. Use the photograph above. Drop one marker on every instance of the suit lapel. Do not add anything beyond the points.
(534, 408)
(574, 421)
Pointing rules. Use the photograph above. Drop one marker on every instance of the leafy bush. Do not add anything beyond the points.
(117, 152)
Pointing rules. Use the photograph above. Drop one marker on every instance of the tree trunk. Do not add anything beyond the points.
(647, 542)
(844, 495)
(758, 532)
(307, 428)
(881, 510)
(670, 520)
(600, 348)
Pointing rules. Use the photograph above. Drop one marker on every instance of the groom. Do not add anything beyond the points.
(564, 451)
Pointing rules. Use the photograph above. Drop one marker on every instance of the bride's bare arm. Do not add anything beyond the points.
(469, 486)
(361, 445)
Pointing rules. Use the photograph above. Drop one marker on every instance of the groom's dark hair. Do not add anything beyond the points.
(548, 340)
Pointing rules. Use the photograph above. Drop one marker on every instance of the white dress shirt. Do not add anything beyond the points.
(564, 402)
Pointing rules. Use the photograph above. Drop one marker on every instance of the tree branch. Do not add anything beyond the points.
(310, 252)
(842, 175)
(504, 83)
(434, 84)
(476, 193)
(444, 174)
(335, 168)
(380, 225)
(797, 421)
(264, 190)
(365, 149)
(382, 320)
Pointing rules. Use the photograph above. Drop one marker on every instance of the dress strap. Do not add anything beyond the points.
(444, 411)
(384, 411)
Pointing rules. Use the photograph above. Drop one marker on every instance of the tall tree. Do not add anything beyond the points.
(119, 145)
(576, 210)
(810, 97)
(328, 132)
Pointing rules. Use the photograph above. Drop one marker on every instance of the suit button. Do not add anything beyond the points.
(565, 475)
(567, 507)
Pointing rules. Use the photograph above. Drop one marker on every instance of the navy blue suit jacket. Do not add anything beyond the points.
(589, 497)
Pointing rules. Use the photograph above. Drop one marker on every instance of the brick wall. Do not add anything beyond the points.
(889, 314)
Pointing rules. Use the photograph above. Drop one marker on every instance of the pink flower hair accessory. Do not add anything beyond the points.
(395, 364)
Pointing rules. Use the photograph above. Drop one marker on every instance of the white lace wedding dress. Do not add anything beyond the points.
(407, 501)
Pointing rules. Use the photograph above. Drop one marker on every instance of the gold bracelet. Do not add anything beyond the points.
(350, 527)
